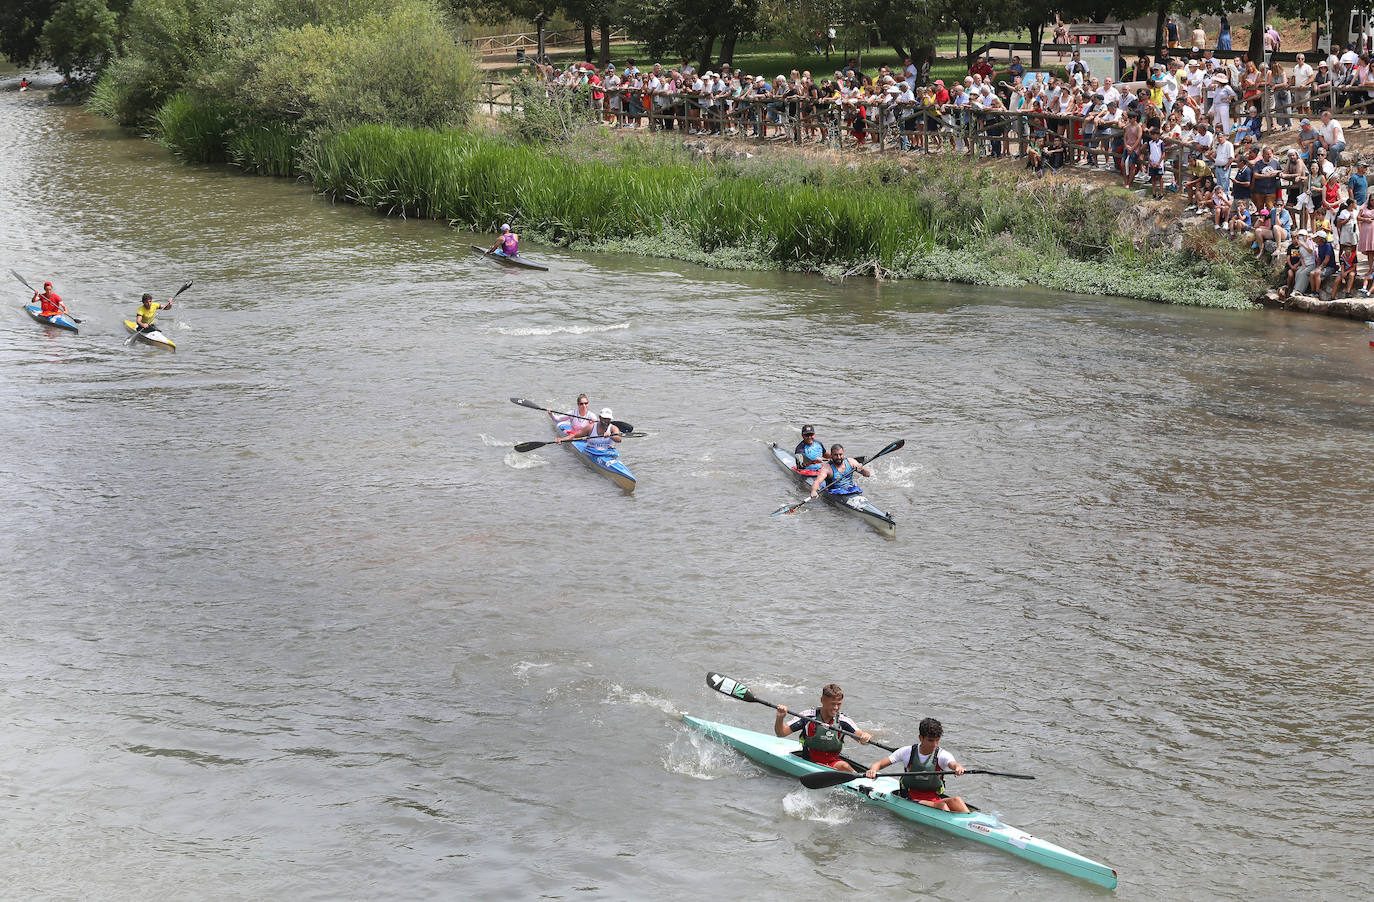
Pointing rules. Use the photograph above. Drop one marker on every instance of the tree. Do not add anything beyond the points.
(21, 28)
(80, 38)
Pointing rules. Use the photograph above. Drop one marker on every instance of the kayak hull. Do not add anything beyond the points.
(59, 320)
(855, 505)
(154, 338)
(608, 465)
(517, 261)
(978, 826)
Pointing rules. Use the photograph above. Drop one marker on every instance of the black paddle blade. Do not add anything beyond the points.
(530, 446)
(181, 289)
(727, 686)
(530, 404)
(23, 281)
(895, 446)
(824, 779)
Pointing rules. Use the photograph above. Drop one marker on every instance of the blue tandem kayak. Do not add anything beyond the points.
(607, 464)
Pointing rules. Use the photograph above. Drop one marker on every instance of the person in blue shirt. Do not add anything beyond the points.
(837, 474)
(1359, 184)
(1325, 264)
(810, 453)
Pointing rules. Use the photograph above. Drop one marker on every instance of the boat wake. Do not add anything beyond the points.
(619, 695)
(492, 441)
(821, 807)
(556, 330)
(903, 475)
(517, 461)
(697, 756)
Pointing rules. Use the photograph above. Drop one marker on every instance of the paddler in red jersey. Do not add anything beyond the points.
(821, 742)
(48, 302)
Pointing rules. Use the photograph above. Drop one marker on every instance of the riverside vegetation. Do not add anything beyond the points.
(371, 101)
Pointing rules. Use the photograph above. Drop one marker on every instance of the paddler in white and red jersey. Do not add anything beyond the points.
(822, 743)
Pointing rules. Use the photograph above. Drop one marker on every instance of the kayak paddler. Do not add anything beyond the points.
(146, 316)
(809, 452)
(576, 418)
(925, 755)
(837, 474)
(48, 301)
(821, 743)
(598, 434)
(509, 242)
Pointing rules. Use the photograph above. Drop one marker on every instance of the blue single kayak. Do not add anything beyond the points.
(60, 320)
(608, 464)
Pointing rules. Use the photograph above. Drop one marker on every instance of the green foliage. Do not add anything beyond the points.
(80, 37)
(547, 117)
(398, 64)
(130, 89)
(265, 149)
(945, 221)
(21, 28)
(164, 42)
(196, 131)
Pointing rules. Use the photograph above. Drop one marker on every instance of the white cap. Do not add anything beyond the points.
(505, 227)
(605, 413)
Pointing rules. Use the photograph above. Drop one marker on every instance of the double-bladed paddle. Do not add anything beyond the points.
(735, 689)
(138, 332)
(25, 283)
(793, 508)
(530, 446)
(822, 779)
(825, 779)
(619, 424)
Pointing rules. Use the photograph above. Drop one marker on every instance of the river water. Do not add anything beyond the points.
(287, 616)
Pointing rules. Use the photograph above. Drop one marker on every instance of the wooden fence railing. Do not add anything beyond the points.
(504, 43)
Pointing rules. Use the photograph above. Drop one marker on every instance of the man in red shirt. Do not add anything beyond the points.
(49, 303)
(982, 67)
(941, 95)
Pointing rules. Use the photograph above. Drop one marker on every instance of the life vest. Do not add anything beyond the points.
(928, 782)
(811, 454)
(820, 737)
(841, 481)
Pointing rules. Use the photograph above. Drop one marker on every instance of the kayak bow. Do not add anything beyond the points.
(608, 465)
(517, 260)
(979, 826)
(154, 338)
(856, 504)
(60, 320)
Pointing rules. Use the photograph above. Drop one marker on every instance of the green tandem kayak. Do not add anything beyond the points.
(977, 826)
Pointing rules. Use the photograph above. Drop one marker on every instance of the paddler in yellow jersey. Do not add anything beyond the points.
(146, 317)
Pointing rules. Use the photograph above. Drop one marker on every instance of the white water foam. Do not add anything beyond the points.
(517, 461)
(492, 441)
(619, 695)
(693, 754)
(813, 805)
(556, 330)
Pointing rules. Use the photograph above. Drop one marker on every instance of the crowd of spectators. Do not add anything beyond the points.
(1190, 123)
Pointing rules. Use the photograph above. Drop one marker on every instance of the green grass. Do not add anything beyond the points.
(193, 130)
(945, 220)
(266, 149)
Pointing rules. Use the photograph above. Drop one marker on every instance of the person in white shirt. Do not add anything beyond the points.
(1221, 104)
(1221, 162)
(1303, 76)
(924, 765)
(1109, 92)
(1333, 138)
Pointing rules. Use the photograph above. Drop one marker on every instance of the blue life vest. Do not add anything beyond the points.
(841, 482)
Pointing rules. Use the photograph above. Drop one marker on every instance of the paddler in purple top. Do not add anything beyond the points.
(509, 242)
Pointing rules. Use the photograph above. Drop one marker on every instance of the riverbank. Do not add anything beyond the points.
(934, 219)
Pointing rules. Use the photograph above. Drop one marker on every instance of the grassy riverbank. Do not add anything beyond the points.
(938, 219)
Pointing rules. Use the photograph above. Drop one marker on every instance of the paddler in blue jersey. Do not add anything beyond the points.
(508, 243)
(837, 474)
(822, 742)
(809, 452)
(599, 434)
(925, 755)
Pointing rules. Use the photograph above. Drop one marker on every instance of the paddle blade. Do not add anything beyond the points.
(524, 403)
(529, 446)
(622, 426)
(895, 446)
(789, 508)
(22, 280)
(824, 779)
(181, 289)
(727, 686)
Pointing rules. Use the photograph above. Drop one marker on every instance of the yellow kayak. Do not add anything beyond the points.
(154, 338)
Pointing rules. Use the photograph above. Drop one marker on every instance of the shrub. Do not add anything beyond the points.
(197, 131)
